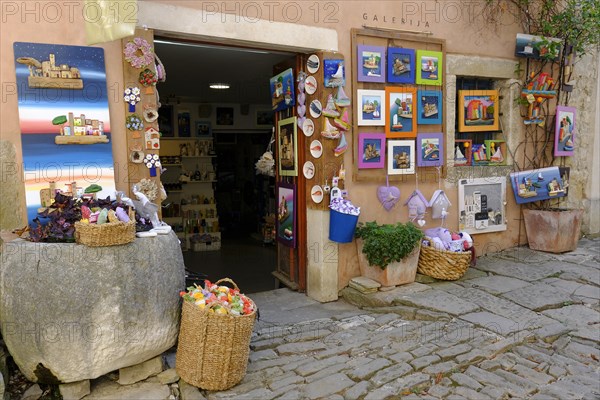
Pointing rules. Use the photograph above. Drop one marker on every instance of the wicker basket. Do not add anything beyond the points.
(442, 264)
(109, 234)
(213, 349)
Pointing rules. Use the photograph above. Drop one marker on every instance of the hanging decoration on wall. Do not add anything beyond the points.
(311, 85)
(342, 123)
(152, 162)
(330, 131)
(330, 110)
(333, 71)
(134, 123)
(313, 63)
(342, 145)
(439, 204)
(150, 113)
(388, 195)
(341, 98)
(417, 206)
(139, 53)
(161, 72)
(301, 100)
(137, 155)
(152, 139)
(131, 96)
(148, 79)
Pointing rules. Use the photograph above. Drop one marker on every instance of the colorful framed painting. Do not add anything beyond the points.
(564, 133)
(400, 65)
(496, 152)
(224, 115)
(371, 150)
(429, 107)
(183, 124)
(371, 63)
(371, 107)
(430, 149)
(482, 205)
(462, 152)
(333, 73)
(286, 214)
(402, 117)
(538, 184)
(477, 110)
(264, 118)
(401, 157)
(287, 149)
(282, 90)
(430, 67)
(203, 129)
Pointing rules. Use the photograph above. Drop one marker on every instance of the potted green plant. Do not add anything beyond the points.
(388, 253)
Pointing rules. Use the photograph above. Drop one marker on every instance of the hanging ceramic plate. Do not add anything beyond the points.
(310, 85)
(316, 149)
(308, 170)
(316, 193)
(315, 108)
(313, 63)
(308, 127)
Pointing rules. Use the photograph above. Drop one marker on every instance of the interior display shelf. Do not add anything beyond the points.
(188, 138)
(214, 156)
(184, 183)
(172, 165)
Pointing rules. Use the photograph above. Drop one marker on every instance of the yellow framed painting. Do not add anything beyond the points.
(478, 110)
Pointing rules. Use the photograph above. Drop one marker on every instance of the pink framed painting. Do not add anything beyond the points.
(564, 133)
(371, 150)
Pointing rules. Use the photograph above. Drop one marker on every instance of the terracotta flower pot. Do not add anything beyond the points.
(553, 231)
(396, 273)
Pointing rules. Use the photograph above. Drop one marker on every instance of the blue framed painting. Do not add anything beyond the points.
(539, 184)
(400, 65)
(371, 64)
(282, 90)
(333, 73)
(429, 107)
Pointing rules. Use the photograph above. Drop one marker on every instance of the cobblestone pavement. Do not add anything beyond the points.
(522, 324)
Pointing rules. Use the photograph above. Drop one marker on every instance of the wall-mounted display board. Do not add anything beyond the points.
(398, 83)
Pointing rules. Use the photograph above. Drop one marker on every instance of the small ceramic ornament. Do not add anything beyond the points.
(137, 155)
(94, 217)
(330, 110)
(417, 205)
(388, 195)
(341, 99)
(152, 139)
(112, 216)
(122, 214)
(342, 146)
(103, 217)
(85, 212)
(439, 205)
(152, 162)
(330, 131)
(131, 96)
(150, 113)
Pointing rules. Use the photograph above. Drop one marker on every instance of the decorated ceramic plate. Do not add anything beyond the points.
(308, 170)
(313, 63)
(308, 127)
(315, 108)
(316, 193)
(316, 149)
(310, 85)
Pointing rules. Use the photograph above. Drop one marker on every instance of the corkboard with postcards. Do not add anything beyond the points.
(399, 103)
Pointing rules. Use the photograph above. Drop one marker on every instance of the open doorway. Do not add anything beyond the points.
(212, 137)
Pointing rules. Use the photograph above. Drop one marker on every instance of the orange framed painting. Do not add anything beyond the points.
(401, 105)
(478, 110)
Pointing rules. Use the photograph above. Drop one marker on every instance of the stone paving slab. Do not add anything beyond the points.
(497, 284)
(539, 296)
(527, 272)
(438, 300)
(493, 322)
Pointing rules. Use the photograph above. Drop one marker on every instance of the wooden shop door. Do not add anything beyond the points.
(291, 254)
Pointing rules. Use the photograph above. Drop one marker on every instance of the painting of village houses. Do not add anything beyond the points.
(65, 130)
(478, 110)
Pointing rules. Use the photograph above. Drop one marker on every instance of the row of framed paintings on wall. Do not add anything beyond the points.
(399, 109)
(402, 155)
(399, 65)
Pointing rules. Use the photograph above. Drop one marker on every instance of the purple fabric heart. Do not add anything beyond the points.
(388, 196)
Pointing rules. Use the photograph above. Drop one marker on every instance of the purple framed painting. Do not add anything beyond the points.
(286, 214)
(371, 150)
(564, 132)
(430, 149)
(400, 65)
(370, 63)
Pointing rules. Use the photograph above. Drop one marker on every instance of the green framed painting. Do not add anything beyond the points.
(429, 67)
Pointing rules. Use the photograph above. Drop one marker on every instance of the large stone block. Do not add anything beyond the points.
(71, 312)
(12, 200)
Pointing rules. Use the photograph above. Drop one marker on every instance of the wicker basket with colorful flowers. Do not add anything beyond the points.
(214, 337)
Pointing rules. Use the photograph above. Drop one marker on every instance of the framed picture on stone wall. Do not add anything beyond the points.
(481, 205)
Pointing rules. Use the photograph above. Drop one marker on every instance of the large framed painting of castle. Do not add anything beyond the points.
(478, 110)
(64, 121)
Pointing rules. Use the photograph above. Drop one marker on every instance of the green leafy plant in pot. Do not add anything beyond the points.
(388, 253)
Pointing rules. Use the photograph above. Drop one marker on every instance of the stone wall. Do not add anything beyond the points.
(12, 200)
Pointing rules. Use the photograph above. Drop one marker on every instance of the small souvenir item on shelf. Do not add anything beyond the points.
(132, 96)
(139, 53)
(152, 162)
(134, 123)
(330, 110)
(152, 137)
(148, 79)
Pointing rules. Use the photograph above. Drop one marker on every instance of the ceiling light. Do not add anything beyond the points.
(219, 86)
